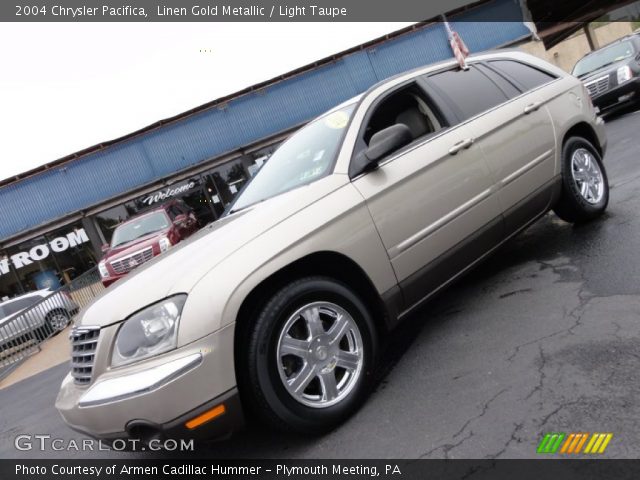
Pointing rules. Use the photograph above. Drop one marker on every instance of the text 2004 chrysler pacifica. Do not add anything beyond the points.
(279, 307)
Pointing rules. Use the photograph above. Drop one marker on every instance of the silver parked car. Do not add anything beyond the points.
(360, 217)
(43, 312)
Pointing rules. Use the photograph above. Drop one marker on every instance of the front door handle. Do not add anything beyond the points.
(532, 107)
(461, 145)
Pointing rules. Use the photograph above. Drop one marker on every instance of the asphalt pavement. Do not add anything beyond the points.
(543, 337)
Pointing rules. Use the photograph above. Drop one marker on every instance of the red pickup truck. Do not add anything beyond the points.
(144, 236)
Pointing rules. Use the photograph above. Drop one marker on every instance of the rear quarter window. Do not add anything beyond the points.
(20, 304)
(525, 75)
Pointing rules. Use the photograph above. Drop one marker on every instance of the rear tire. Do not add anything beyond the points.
(309, 357)
(585, 187)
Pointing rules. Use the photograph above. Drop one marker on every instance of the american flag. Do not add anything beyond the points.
(460, 50)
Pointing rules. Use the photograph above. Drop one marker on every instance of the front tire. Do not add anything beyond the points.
(585, 187)
(310, 356)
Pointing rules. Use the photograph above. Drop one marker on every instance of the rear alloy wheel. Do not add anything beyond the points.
(585, 187)
(310, 356)
(587, 176)
(57, 321)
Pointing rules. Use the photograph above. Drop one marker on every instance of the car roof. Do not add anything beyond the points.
(494, 54)
(38, 293)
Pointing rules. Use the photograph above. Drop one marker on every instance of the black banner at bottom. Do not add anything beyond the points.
(544, 469)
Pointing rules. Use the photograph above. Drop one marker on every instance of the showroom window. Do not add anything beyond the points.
(255, 160)
(48, 261)
(109, 219)
(10, 285)
(199, 200)
(75, 259)
(35, 265)
(229, 179)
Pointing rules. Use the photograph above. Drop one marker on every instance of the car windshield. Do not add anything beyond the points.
(604, 57)
(304, 158)
(139, 227)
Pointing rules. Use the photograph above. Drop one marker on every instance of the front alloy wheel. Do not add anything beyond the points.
(320, 354)
(308, 361)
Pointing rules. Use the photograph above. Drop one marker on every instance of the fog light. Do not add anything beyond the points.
(626, 97)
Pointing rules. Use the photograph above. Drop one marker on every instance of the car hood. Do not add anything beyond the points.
(178, 270)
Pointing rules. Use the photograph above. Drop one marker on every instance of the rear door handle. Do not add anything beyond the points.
(461, 145)
(532, 107)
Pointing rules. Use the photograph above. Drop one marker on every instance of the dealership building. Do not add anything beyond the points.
(56, 218)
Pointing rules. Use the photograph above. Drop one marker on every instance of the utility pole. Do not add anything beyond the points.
(591, 36)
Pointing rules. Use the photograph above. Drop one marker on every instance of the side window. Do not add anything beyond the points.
(526, 75)
(507, 87)
(20, 304)
(409, 106)
(470, 90)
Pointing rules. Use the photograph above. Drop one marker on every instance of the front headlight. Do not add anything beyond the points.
(624, 74)
(149, 332)
(102, 268)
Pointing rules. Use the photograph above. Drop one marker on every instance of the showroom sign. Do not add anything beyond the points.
(43, 250)
(168, 193)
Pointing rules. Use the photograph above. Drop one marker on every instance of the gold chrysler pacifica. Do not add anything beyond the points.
(278, 308)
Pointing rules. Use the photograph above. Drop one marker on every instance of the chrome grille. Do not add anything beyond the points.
(598, 86)
(84, 341)
(128, 263)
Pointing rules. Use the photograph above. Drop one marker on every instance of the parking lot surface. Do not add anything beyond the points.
(543, 337)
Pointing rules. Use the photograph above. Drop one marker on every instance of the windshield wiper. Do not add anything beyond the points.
(235, 210)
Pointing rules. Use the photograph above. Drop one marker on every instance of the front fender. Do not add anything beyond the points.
(338, 223)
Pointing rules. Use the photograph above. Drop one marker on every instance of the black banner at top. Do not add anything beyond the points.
(302, 10)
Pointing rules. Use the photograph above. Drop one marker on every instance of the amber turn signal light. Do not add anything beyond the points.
(205, 417)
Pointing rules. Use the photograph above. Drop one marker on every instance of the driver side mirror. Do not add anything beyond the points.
(105, 248)
(383, 143)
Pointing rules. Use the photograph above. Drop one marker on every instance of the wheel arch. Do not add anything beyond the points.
(326, 263)
(55, 310)
(584, 130)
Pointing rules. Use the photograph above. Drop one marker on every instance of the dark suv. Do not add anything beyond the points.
(612, 74)
(144, 236)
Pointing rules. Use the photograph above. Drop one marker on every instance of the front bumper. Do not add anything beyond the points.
(112, 278)
(157, 397)
(619, 96)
